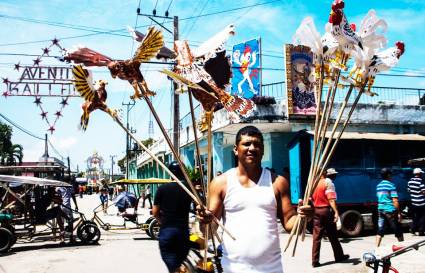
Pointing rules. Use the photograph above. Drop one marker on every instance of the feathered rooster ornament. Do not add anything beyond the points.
(94, 96)
(207, 71)
(381, 61)
(127, 69)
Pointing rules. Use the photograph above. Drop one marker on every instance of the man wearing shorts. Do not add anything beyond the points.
(388, 207)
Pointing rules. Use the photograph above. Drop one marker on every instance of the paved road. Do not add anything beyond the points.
(134, 251)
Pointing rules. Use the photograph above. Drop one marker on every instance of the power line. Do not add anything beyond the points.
(20, 127)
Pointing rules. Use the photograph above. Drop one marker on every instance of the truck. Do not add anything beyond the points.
(358, 160)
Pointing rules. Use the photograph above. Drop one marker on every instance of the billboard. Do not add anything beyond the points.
(300, 80)
(246, 63)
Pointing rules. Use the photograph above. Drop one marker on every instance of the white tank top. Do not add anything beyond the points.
(250, 216)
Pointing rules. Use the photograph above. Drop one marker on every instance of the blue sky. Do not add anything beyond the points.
(275, 22)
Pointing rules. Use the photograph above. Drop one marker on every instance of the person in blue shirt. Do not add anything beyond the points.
(388, 207)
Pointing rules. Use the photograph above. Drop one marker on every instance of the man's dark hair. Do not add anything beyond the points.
(248, 131)
(386, 173)
(174, 167)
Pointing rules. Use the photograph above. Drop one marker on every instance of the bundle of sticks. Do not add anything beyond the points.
(332, 52)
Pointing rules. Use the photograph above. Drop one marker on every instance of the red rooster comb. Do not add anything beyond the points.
(400, 46)
(338, 5)
(353, 27)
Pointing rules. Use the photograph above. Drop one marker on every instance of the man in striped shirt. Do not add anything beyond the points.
(416, 188)
(388, 207)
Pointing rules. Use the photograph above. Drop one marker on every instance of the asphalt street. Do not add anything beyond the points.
(134, 251)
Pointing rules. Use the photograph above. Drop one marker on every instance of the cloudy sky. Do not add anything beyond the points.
(28, 26)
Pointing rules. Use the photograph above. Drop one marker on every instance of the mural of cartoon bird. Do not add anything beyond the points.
(207, 71)
(94, 96)
(124, 69)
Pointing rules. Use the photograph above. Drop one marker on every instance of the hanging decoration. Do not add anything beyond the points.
(39, 80)
(125, 70)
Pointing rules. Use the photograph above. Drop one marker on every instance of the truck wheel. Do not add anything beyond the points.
(187, 267)
(351, 223)
(6, 239)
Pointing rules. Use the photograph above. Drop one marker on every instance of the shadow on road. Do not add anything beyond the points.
(353, 261)
(46, 246)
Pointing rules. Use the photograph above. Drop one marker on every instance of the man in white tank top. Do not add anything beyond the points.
(251, 199)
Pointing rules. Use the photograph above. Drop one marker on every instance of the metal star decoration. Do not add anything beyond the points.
(37, 61)
(17, 66)
(5, 94)
(37, 101)
(6, 80)
(46, 51)
(64, 102)
(55, 41)
(58, 114)
(51, 129)
(43, 115)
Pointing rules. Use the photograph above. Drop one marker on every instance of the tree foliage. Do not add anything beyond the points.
(10, 153)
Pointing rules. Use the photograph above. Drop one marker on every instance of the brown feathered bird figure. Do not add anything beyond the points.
(207, 71)
(94, 96)
(124, 69)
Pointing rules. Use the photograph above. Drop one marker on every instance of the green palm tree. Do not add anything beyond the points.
(9, 153)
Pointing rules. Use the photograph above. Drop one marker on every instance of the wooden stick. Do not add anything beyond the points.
(341, 111)
(292, 233)
(154, 157)
(209, 116)
(195, 134)
(318, 105)
(297, 235)
(343, 127)
(172, 148)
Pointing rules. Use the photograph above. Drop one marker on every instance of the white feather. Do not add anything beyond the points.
(215, 44)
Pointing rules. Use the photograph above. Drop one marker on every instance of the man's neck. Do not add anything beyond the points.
(249, 172)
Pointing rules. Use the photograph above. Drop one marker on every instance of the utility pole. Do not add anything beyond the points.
(112, 166)
(69, 169)
(176, 107)
(129, 107)
(176, 101)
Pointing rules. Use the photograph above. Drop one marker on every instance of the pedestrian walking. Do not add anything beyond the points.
(325, 217)
(104, 200)
(171, 208)
(416, 189)
(147, 196)
(388, 207)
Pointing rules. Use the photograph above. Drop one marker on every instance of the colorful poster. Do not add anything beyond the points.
(246, 63)
(300, 80)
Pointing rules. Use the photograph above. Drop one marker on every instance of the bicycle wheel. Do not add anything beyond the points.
(187, 267)
(88, 233)
(154, 229)
(7, 239)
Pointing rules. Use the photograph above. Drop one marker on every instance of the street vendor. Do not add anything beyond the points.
(251, 199)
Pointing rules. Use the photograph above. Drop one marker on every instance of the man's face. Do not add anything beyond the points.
(249, 150)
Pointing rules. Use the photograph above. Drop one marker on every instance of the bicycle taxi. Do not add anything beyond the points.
(127, 208)
(24, 219)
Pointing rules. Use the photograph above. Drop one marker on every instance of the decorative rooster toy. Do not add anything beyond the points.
(94, 96)
(343, 32)
(127, 69)
(207, 71)
(381, 61)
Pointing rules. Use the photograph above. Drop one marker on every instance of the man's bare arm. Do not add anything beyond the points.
(155, 212)
(332, 203)
(286, 212)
